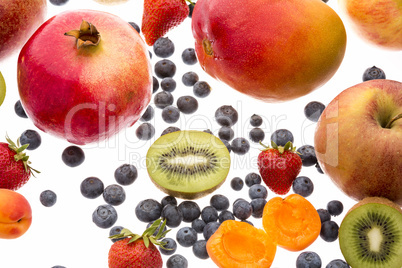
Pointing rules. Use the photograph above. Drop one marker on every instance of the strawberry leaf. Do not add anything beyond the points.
(146, 241)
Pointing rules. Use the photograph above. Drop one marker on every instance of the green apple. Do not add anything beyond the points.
(2, 89)
(358, 140)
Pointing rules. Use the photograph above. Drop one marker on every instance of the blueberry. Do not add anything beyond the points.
(135, 26)
(249, 222)
(337, 264)
(170, 130)
(150, 54)
(210, 229)
(208, 131)
(148, 210)
(308, 259)
(335, 207)
(201, 89)
(187, 104)
(169, 200)
(169, 248)
(255, 120)
(281, 137)
(48, 198)
(114, 195)
(190, 210)
(198, 225)
(186, 237)
(170, 114)
(32, 138)
(19, 110)
(200, 249)
(227, 144)
(236, 183)
(329, 231)
(163, 47)
(148, 114)
(258, 205)
(104, 216)
(257, 191)
(163, 99)
(165, 68)
(226, 133)
(319, 169)
(303, 186)
(91, 187)
(209, 214)
(157, 229)
(307, 155)
(240, 146)
(373, 73)
(313, 110)
(226, 115)
(155, 84)
(168, 84)
(173, 215)
(114, 231)
(73, 156)
(145, 131)
(225, 215)
(191, 8)
(189, 57)
(252, 178)
(242, 209)
(125, 174)
(189, 79)
(324, 215)
(177, 261)
(58, 2)
(256, 134)
(219, 202)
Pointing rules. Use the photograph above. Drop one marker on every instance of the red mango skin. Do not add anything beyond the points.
(15, 214)
(272, 50)
(18, 20)
(85, 94)
(360, 155)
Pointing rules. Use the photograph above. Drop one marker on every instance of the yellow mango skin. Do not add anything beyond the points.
(377, 21)
(272, 50)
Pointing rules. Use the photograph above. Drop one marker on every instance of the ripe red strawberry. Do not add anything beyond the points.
(279, 167)
(159, 16)
(137, 251)
(14, 165)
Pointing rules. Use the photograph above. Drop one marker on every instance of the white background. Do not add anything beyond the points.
(65, 234)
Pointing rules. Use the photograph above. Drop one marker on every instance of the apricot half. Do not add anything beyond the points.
(240, 245)
(292, 222)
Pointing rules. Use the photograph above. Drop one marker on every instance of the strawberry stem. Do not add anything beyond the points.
(20, 155)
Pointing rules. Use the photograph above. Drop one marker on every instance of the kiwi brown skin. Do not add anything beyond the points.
(343, 228)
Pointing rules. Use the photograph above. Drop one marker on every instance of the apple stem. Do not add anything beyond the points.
(87, 35)
(399, 116)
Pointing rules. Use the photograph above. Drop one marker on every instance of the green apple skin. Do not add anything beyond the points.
(353, 146)
(377, 21)
(18, 21)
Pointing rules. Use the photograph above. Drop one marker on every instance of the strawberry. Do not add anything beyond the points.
(159, 16)
(14, 165)
(279, 167)
(137, 251)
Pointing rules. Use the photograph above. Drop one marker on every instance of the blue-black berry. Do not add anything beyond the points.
(31, 137)
(177, 261)
(307, 155)
(257, 134)
(200, 249)
(19, 110)
(226, 115)
(187, 104)
(324, 215)
(173, 215)
(168, 84)
(145, 131)
(148, 210)
(148, 114)
(115, 230)
(189, 79)
(104, 216)
(201, 89)
(186, 236)
(329, 231)
(48, 198)
(225, 215)
(303, 186)
(198, 225)
(373, 73)
(210, 229)
(169, 200)
(165, 68)
(282, 136)
(135, 26)
(257, 191)
(219, 202)
(163, 47)
(226, 133)
(189, 57)
(169, 248)
(209, 214)
(114, 195)
(236, 183)
(255, 120)
(337, 263)
(73, 156)
(91, 187)
(240, 146)
(335, 207)
(252, 178)
(126, 174)
(170, 130)
(308, 259)
(313, 110)
(170, 114)
(258, 205)
(242, 209)
(190, 210)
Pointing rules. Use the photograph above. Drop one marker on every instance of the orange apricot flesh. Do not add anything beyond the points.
(292, 222)
(240, 245)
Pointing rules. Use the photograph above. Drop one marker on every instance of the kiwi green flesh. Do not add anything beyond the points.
(188, 164)
(370, 236)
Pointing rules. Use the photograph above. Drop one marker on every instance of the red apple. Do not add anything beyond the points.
(270, 50)
(378, 21)
(15, 214)
(88, 84)
(358, 140)
(18, 20)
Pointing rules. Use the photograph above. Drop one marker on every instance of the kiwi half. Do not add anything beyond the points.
(370, 235)
(188, 164)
